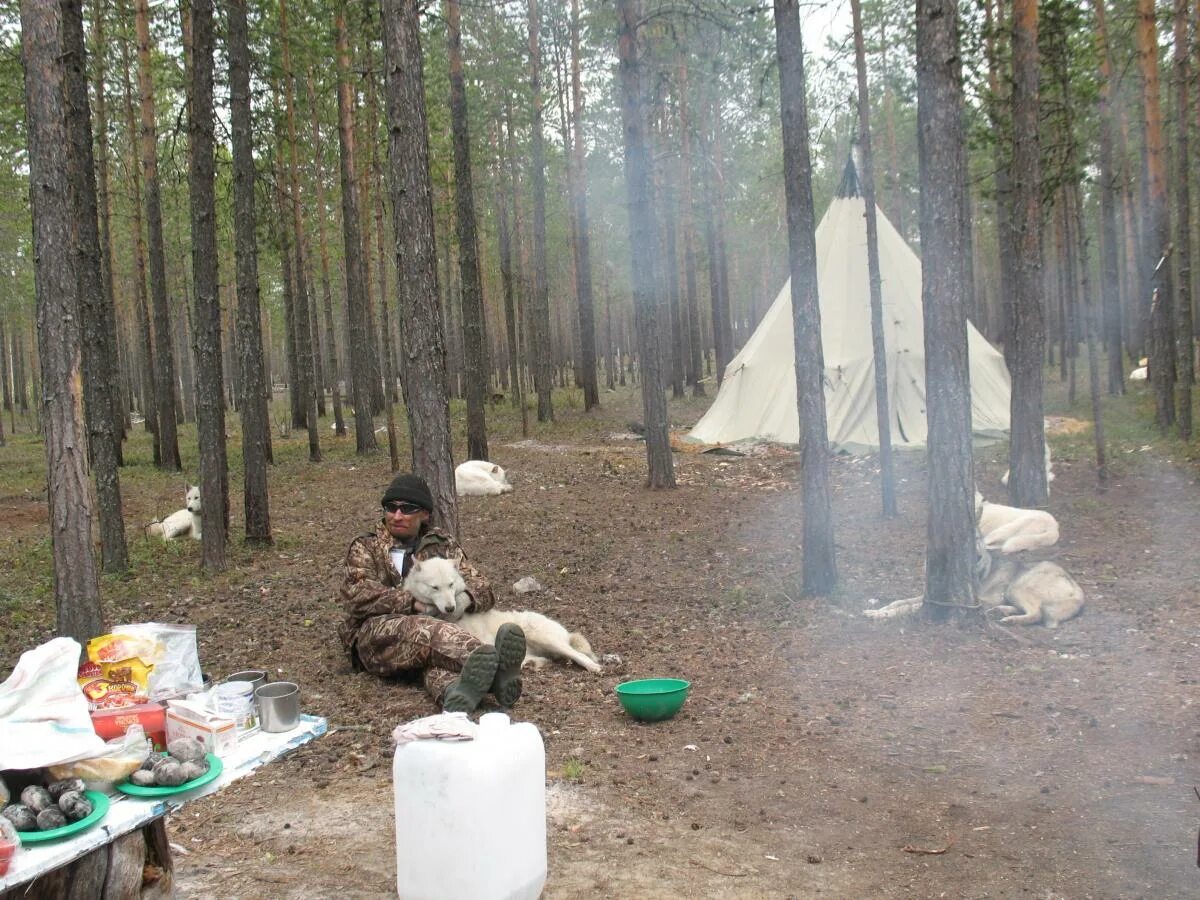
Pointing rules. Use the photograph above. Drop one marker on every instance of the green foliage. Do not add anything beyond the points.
(573, 769)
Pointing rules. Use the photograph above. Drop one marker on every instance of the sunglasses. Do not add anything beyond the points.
(402, 506)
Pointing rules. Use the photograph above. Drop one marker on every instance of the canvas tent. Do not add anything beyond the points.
(757, 399)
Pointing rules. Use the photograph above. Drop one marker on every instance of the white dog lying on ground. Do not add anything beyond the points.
(180, 522)
(1025, 594)
(1011, 529)
(437, 582)
(480, 478)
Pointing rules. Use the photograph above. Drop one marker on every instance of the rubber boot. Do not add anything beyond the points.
(476, 679)
(510, 647)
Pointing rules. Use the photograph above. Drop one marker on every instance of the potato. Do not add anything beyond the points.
(22, 816)
(170, 774)
(193, 769)
(37, 798)
(143, 778)
(51, 818)
(58, 788)
(186, 750)
(75, 805)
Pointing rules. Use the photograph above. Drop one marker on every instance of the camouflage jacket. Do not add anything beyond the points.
(371, 586)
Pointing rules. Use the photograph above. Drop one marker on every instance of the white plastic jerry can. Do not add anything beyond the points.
(471, 815)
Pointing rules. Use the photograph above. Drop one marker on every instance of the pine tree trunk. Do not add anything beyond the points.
(333, 367)
(76, 584)
(164, 361)
(950, 554)
(149, 403)
(474, 347)
(314, 331)
(539, 313)
(298, 416)
(509, 284)
(256, 422)
(1091, 313)
(101, 417)
(521, 268)
(1157, 250)
(866, 174)
(1110, 247)
(1027, 484)
(303, 375)
(370, 129)
(719, 309)
(6, 393)
(424, 350)
(583, 251)
(1183, 225)
(820, 560)
(360, 371)
(688, 222)
(210, 379)
(668, 191)
(181, 332)
(660, 465)
(999, 90)
(119, 404)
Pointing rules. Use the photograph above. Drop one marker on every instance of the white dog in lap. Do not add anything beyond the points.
(438, 583)
(180, 522)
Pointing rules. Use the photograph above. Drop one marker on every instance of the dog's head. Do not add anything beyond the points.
(192, 498)
(501, 478)
(436, 581)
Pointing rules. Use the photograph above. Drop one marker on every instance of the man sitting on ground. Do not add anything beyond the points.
(388, 632)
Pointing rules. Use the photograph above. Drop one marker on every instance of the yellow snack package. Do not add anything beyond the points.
(116, 674)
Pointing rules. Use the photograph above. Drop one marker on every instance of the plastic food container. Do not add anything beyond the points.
(487, 795)
(235, 700)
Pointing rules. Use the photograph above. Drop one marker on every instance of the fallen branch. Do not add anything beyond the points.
(696, 862)
(909, 848)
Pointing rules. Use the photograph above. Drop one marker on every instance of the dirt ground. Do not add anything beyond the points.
(819, 753)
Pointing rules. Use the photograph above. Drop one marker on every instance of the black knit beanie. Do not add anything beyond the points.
(411, 488)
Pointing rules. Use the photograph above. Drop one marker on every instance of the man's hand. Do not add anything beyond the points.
(423, 609)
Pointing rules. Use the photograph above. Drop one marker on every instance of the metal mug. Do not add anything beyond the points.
(254, 676)
(278, 705)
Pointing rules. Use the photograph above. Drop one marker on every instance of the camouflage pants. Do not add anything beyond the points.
(395, 645)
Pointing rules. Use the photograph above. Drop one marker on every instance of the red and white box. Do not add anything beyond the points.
(194, 722)
(113, 723)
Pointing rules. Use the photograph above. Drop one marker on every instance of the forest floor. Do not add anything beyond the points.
(819, 752)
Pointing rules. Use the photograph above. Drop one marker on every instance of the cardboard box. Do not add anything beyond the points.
(186, 720)
(113, 723)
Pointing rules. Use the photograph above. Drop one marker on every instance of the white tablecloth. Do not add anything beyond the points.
(128, 813)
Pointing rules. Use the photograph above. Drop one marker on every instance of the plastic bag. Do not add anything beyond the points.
(121, 757)
(176, 659)
(43, 714)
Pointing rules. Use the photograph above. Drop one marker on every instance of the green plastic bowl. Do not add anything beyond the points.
(653, 699)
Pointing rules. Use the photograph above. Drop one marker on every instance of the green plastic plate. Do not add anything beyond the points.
(99, 808)
(215, 768)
